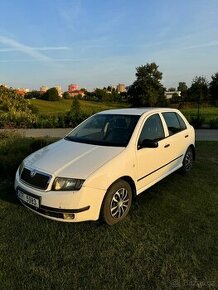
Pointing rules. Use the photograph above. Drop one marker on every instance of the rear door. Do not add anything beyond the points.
(178, 137)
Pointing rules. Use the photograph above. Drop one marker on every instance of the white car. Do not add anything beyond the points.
(98, 168)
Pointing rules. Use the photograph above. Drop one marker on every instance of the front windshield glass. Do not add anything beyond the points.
(105, 129)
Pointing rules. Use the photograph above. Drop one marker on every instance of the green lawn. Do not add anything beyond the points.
(46, 107)
(208, 113)
(168, 241)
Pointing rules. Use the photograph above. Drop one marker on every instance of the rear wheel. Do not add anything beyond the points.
(188, 161)
(117, 202)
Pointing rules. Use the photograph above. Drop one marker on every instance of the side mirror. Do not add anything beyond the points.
(146, 143)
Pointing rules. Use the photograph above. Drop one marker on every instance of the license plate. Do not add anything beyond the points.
(28, 199)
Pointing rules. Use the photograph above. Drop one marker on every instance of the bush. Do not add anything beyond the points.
(51, 95)
(14, 148)
(34, 109)
(75, 116)
(213, 123)
(197, 121)
(17, 119)
(66, 96)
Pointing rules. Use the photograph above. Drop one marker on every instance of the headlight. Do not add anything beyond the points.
(20, 169)
(61, 183)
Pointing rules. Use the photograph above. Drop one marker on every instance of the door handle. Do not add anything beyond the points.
(167, 145)
(186, 136)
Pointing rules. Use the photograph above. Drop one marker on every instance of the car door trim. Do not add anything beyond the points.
(159, 168)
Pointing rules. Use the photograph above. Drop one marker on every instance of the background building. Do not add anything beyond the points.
(170, 94)
(43, 89)
(121, 88)
(72, 88)
(59, 89)
(22, 91)
(74, 91)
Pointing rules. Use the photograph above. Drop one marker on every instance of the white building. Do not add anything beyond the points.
(169, 94)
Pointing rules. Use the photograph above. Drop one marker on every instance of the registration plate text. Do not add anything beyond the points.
(28, 199)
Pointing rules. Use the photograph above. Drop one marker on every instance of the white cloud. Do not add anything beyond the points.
(23, 48)
(200, 45)
(9, 49)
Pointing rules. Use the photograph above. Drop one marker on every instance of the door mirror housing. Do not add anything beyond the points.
(146, 143)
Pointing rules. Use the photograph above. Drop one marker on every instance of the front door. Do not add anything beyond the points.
(151, 161)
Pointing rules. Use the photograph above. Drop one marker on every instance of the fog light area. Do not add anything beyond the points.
(68, 216)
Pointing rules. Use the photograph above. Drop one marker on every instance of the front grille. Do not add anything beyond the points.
(38, 180)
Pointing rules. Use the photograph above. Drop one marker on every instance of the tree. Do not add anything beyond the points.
(75, 107)
(109, 88)
(76, 114)
(171, 89)
(213, 89)
(102, 95)
(198, 92)
(17, 111)
(66, 95)
(33, 95)
(147, 89)
(183, 88)
(51, 95)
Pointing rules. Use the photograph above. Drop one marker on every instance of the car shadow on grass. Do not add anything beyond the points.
(7, 192)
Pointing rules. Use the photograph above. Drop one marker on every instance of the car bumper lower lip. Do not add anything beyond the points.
(56, 213)
(52, 212)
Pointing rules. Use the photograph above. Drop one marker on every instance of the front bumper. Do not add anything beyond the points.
(66, 206)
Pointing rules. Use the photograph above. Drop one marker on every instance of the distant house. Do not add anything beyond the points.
(43, 89)
(170, 94)
(121, 88)
(22, 91)
(76, 93)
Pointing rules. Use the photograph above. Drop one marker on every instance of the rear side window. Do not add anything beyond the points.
(174, 122)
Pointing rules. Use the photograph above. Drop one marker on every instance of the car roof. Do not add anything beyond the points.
(136, 111)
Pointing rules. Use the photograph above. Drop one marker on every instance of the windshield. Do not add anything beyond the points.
(105, 129)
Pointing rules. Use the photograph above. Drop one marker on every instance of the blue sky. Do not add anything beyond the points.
(96, 43)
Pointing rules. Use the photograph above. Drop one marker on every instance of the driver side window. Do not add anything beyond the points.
(152, 129)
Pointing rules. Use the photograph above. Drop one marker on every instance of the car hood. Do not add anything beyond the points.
(71, 159)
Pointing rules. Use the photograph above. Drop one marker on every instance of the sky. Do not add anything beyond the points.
(96, 43)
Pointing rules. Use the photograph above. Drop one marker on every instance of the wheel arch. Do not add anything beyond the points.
(131, 184)
(126, 178)
(193, 150)
(129, 180)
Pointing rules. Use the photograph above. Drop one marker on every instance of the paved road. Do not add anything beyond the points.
(201, 134)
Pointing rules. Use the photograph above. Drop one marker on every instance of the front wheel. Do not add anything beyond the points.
(117, 202)
(187, 161)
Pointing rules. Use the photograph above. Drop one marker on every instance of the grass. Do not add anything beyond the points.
(208, 113)
(46, 107)
(169, 239)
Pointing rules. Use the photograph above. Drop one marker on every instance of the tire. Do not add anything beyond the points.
(117, 202)
(187, 161)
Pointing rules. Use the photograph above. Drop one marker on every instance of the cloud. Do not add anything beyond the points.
(9, 49)
(32, 60)
(23, 48)
(206, 44)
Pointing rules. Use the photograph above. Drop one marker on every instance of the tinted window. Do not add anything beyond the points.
(152, 129)
(105, 130)
(173, 123)
(181, 122)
